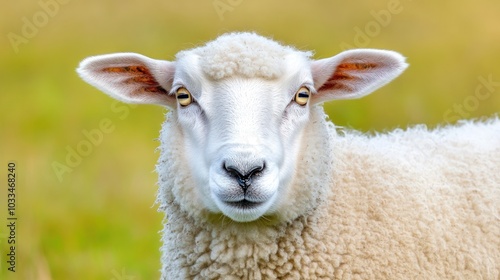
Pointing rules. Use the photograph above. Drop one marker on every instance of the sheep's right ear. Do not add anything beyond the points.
(354, 73)
(130, 77)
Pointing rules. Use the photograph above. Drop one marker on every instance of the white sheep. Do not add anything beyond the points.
(257, 184)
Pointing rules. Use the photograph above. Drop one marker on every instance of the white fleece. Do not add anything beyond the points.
(245, 54)
(324, 203)
(407, 204)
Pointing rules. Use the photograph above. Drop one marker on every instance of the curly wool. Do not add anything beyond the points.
(408, 204)
(246, 54)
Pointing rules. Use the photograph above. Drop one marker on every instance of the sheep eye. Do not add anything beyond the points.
(183, 97)
(302, 96)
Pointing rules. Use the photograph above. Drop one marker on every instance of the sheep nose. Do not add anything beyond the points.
(243, 175)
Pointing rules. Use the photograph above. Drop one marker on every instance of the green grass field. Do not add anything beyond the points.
(97, 218)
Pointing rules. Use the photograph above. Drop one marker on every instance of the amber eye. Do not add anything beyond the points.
(302, 96)
(183, 96)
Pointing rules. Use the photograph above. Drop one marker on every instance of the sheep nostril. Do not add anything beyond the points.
(256, 169)
(233, 171)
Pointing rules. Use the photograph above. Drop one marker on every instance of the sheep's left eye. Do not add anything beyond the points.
(302, 96)
(183, 96)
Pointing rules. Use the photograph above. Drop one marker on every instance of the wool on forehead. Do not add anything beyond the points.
(246, 54)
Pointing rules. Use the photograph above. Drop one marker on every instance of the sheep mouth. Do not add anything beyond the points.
(244, 204)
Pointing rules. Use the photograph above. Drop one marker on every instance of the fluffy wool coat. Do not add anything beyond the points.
(408, 204)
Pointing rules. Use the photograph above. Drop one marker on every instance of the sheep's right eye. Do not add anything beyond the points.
(302, 96)
(183, 96)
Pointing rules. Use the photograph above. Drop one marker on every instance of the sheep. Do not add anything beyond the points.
(257, 183)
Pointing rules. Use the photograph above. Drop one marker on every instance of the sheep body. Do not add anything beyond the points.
(407, 204)
(324, 202)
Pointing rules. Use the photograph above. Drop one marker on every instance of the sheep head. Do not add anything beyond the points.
(242, 103)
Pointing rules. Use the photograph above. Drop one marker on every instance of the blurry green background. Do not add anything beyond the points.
(99, 221)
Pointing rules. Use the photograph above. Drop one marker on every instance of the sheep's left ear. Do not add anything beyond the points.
(130, 77)
(354, 73)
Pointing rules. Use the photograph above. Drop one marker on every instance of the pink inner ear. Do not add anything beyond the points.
(140, 76)
(343, 73)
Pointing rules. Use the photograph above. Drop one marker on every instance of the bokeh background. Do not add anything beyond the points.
(97, 218)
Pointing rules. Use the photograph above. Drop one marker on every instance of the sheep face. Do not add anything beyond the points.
(242, 124)
(242, 135)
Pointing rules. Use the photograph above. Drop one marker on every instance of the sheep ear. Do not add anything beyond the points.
(130, 77)
(354, 73)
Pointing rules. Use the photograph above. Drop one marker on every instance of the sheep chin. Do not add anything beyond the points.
(245, 211)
